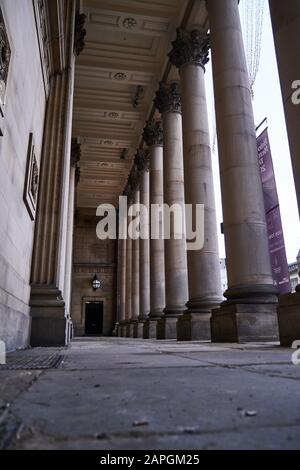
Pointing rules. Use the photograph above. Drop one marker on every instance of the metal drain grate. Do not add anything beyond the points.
(27, 362)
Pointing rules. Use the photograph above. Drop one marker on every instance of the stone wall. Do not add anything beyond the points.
(24, 111)
(93, 256)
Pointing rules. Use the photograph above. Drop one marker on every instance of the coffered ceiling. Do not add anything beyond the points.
(117, 75)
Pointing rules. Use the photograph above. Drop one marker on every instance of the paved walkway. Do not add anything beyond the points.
(114, 393)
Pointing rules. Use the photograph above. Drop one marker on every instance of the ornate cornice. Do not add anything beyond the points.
(80, 33)
(75, 152)
(168, 98)
(153, 133)
(142, 160)
(190, 48)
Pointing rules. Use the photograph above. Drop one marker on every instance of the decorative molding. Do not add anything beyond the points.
(190, 48)
(168, 98)
(43, 33)
(113, 115)
(31, 179)
(142, 160)
(153, 133)
(129, 23)
(138, 96)
(80, 33)
(120, 76)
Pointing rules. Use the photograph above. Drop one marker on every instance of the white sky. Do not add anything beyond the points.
(267, 103)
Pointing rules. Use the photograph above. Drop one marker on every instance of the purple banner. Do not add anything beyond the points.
(278, 258)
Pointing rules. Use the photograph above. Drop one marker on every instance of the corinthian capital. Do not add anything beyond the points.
(190, 48)
(142, 160)
(80, 33)
(153, 133)
(134, 178)
(168, 98)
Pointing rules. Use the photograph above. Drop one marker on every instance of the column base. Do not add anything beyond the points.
(140, 329)
(194, 327)
(127, 330)
(122, 330)
(133, 327)
(49, 323)
(150, 328)
(289, 318)
(243, 323)
(166, 328)
(115, 330)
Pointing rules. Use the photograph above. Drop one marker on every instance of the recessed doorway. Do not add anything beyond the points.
(93, 318)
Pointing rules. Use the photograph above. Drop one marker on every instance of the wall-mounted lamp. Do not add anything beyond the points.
(138, 96)
(96, 284)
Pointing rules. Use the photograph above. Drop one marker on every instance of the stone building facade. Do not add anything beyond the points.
(100, 99)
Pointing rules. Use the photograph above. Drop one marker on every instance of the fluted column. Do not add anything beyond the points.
(122, 310)
(189, 55)
(135, 277)
(168, 102)
(49, 291)
(153, 137)
(75, 158)
(285, 18)
(128, 310)
(249, 314)
(143, 166)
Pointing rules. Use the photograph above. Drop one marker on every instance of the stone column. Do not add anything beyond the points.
(50, 319)
(142, 159)
(128, 310)
(285, 18)
(168, 102)
(189, 55)
(122, 273)
(135, 277)
(153, 137)
(249, 314)
(75, 158)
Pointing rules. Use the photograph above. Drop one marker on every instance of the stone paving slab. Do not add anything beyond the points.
(113, 393)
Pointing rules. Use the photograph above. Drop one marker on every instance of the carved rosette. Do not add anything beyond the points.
(190, 48)
(80, 33)
(153, 133)
(75, 152)
(142, 160)
(168, 98)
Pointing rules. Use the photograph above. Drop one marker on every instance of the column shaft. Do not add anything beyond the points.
(168, 103)
(128, 312)
(135, 278)
(144, 255)
(121, 318)
(189, 55)
(153, 136)
(249, 311)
